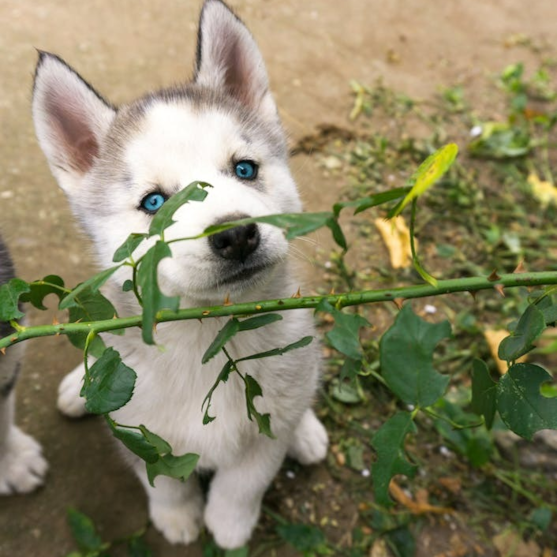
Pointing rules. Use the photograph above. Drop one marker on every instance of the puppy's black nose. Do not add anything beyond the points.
(237, 243)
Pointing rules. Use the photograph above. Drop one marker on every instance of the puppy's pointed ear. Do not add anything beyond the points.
(228, 58)
(71, 119)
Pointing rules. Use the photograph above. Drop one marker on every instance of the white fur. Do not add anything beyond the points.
(172, 143)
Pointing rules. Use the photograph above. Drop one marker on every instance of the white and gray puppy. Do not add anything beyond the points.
(22, 466)
(117, 167)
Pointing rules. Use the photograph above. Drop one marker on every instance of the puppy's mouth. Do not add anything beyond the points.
(244, 273)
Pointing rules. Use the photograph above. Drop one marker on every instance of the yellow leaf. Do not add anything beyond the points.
(494, 338)
(396, 237)
(544, 192)
(428, 173)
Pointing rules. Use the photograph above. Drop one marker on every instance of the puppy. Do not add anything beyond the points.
(118, 166)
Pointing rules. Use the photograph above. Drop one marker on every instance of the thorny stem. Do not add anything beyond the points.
(467, 284)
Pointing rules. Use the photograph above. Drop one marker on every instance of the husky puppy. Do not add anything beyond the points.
(118, 166)
(22, 466)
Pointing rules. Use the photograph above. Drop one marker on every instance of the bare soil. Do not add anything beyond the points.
(313, 49)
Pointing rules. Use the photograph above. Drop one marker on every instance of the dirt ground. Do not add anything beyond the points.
(313, 48)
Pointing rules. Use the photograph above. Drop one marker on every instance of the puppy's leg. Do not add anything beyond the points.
(70, 403)
(310, 440)
(22, 466)
(175, 508)
(236, 492)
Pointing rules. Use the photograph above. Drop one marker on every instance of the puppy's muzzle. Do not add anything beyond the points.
(235, 244)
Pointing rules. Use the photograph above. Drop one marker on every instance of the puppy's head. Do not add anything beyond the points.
(118, 166)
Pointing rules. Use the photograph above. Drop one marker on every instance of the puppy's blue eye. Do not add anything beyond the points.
(153, 202)
(246, 170)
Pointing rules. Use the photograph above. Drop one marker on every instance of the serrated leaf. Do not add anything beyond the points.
(152, 297)
(253, 390)
(338, 235)
(231, 327)
(529, 328)
(520, 403)
(164, 216)
(259, 321)
(222, 378)
(279, 351)
(406, 355)
(484, 402)
(302, 537)
(136, 443)
(40, 289)
(364, 203)
(179, 467)
(84, 531)
(125, 251)
(109, 385)
(162, 447)
(294, 224)
(10, 293)
(345, 335)
(427, 174)
(91, 285)
(391, 458)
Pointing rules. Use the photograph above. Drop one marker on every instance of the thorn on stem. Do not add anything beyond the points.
(298, 294)
(227, 301)
(520, 268)
(398, 302)
(473, 293)
(3, 351)
(499, 288)
(494, 276)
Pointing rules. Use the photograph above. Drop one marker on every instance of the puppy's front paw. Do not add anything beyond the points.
(231, 527)
(310, 441)
(22, 466)
(177, 522)
(70, 403)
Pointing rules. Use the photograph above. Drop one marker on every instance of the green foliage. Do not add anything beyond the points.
(406, 352)
(391, 458)
(9, 298)
(483, 392)
(109, 384)
(520, 403)
(530, 326)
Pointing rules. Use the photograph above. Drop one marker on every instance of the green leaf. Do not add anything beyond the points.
(40, 289)
(231, 327)
(279, 351)
(401, 542)
(91, 306)
(162, 447)
(135, 442)
(371, 201)
(338, 235)
(137, 547)
(240, 552)
(427, 174)
(253, 390)
(259, 321)
(350, 369)
(302, 537)
(163, 218)
(9, 299)
(501, 141)
(541, 518)
(520, 403)
(126, 250)
(406, 355)
(222, 378)
(294, 224)
(530, 326)
(109, 385)
(346, 393)
(345, 335)
(91, 285)
(179, 467)
(83, 531)
(484, 392)
(153, 299)
(391, 458)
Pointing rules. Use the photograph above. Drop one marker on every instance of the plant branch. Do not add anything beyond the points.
(468, 284)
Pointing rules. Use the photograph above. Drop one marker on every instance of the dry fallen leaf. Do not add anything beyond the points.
(420, 506)
(544, 192)
(510, 543)
(396, 237)
(453, 485)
